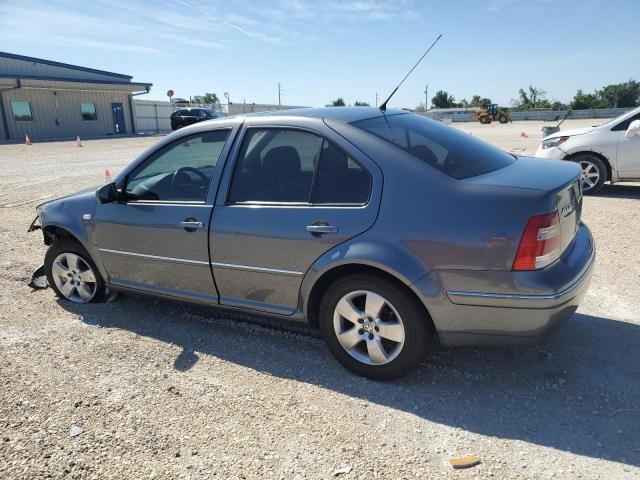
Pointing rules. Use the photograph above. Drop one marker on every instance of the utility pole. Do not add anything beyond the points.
(376, 99)
(426, 97)
(279, 91)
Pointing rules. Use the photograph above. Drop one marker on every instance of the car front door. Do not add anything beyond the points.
(628, 151)
(292, 195)
(155, 239)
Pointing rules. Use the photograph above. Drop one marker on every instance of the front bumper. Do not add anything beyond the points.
(513, 307)
(554, 153)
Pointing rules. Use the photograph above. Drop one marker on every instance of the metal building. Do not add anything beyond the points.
(51, 100)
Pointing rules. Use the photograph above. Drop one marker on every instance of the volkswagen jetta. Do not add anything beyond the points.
(386, 230)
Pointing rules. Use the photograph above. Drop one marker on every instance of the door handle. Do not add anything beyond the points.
(191, 224)
(322, 229)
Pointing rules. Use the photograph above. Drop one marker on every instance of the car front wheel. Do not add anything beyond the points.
(594, 172)
(374, 327)
(72, 274)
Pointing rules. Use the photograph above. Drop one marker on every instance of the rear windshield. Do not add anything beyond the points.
(451, 151)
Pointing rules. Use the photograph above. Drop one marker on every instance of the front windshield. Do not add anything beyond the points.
(619, 118)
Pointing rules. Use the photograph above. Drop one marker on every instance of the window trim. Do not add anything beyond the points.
(95, 112)
(159, 151)
(14, 114)
(309, 204)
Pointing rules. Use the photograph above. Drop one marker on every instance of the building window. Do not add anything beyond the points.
(21, 111)
(88, 111)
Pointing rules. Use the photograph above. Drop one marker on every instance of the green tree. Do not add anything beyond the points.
(582, 101)
(338, 102)
(621, 95)
(206, 99)
(478, 101)
(360, 104)
(532, 97)
(442, 99)
(617, 95)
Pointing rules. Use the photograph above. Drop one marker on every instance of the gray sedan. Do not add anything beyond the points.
(387, 231)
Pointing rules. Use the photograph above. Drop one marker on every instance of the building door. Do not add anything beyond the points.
(118, 118)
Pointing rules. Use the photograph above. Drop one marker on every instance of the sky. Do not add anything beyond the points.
(321, 50)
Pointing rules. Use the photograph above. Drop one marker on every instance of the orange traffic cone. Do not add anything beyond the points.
(107, 175)
(27, 140)
(78, 141)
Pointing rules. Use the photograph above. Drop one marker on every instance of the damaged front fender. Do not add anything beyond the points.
(35, 225)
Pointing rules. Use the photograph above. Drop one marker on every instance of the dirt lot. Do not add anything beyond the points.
(159, 390)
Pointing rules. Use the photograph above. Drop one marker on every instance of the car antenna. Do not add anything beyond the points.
(383, 107)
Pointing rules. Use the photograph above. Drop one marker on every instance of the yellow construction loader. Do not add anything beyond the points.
(492, 113)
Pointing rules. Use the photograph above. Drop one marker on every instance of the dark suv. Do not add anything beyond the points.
(187, 116)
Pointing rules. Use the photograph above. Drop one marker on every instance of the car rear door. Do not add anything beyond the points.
(292, 194)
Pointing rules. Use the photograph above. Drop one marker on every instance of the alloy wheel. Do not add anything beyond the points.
(590, 174)
(74, 278)
(368, 327)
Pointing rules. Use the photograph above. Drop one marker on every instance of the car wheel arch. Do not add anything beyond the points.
(54, 232)
(327, 278)
(604, 159)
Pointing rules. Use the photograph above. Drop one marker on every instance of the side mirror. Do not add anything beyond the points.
(108, 193)
(634, 129)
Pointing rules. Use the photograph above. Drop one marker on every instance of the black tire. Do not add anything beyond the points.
(418, 332)
(584, 159)
(503, 119)
(71, 246)
(484, 119)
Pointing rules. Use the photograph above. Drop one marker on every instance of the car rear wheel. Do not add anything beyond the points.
(374, 327)
(72, 274)
(594, 173)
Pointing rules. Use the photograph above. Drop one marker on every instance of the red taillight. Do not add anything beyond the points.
(540, 242)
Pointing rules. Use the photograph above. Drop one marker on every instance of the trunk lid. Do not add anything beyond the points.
(560, 179)
(531, 173)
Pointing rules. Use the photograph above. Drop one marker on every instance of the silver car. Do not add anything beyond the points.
(387, 231)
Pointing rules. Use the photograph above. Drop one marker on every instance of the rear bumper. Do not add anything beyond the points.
(513, 307)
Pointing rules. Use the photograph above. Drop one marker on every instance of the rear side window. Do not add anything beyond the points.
(453, 152)
(282, 165)
(340, 179)
(275, 165)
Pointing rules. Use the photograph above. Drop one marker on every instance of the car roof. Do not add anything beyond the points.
(340, 114)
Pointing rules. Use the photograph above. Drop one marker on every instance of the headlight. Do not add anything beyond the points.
(553, 142)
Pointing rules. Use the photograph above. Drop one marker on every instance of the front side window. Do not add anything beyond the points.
(453, 152)
(21, 111)
(88, 111)
(181, 171)
(282, 166)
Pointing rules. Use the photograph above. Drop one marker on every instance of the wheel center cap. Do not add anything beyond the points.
(367, 327)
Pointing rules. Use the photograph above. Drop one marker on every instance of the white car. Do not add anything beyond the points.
(608, 152)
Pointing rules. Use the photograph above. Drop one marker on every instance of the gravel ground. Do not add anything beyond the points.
(142, 388)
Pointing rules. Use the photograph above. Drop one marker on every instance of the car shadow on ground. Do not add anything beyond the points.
(578, 392)
(620, 191)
